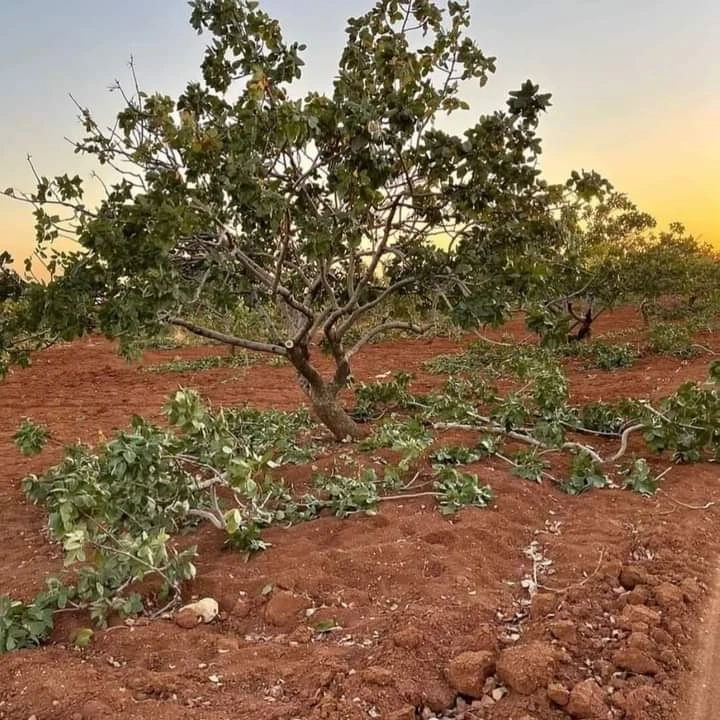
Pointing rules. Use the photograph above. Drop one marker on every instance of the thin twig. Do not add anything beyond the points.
(410, 496)
(706, 506)
(577, 584)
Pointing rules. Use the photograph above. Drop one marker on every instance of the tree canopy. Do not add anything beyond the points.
(315, 210)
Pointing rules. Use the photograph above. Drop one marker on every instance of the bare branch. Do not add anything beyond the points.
(378, 330)
(261, 274)
(347, 324)
(225, 338)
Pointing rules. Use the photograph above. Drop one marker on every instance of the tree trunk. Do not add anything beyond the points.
(331, 414)
(323, 397)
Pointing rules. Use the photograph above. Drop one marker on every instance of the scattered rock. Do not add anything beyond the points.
(646, 702)
(691, 589)
(565, 631)
(662, 637)
(675, 629)
(283, 608)
(526, 668)
(635, 661)
(558, 694)
(376, 675)
(668, 596)
(632, 575)
(633, 614)
(241, 608)
(640, 627)
(438, 696)
(587, 701)
(604, 669)
(409, 639)
(206, 608)
(562, 656)
(467, 672)
(187, 618)
(302, 635)
(641, 641)
(639, 595)
(542, 604)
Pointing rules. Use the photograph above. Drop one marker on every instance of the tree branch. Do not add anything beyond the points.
(379, 329)
(347, 324)
(225, 338)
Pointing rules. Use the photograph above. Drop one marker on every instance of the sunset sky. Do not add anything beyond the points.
(635, 84)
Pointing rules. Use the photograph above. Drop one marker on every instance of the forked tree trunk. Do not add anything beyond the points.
(330, 412)
(323, 398)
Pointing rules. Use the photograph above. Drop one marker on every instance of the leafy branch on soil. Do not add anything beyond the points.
(115, 510)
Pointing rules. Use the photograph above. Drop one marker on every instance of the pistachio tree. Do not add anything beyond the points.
(241, 189)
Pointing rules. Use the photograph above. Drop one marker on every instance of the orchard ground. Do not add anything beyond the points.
(614, 632)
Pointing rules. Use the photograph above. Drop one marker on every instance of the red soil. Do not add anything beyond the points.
(411, 589)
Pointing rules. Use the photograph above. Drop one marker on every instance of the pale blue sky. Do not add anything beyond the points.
(635, 83)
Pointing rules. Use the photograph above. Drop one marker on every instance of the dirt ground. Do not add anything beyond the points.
(427, 605)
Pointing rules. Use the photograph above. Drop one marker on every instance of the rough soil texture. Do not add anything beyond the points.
(434, 618)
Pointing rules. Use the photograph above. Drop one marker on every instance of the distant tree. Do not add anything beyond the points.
(608, 252)
(11, 284)
(323, 207)
(673, 265)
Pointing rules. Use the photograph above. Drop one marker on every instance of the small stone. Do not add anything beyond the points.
(675, 629)
(438, 696)
(641, 641)
(668, 596)
(662, 637)
(639, 595)
(187, 618)
(241, 608)
(375, 675)
(638, 614)
(542, 604)
(587, 701)
(302, 635)
(604, 669)
(206, 609)
(526, 668)
(284, 608)
(635, 661)
(409, 639)
(691, 589)
(632, 575)
(565, 631)
(558, 694)
(498, 694)
(468, 672)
